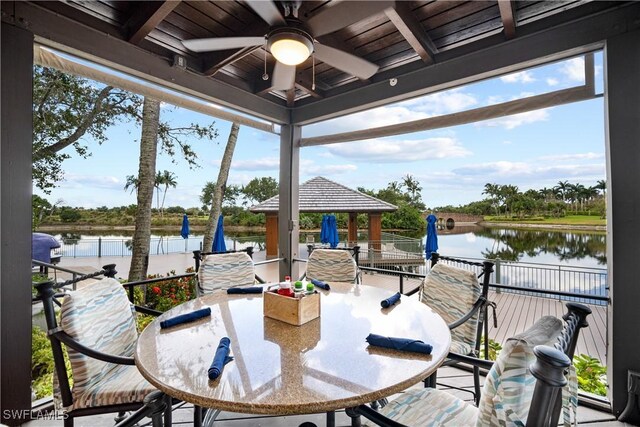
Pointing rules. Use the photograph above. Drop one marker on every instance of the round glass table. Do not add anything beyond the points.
(321, 366)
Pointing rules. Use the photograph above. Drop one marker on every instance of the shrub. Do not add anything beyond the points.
(494, 349)
(69, 215)
(592, 375)
(42, 365)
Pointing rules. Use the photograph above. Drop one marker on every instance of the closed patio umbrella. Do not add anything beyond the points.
(184, 231)
(324, 230)
(218, 239)
(432, 236)
(332, 238)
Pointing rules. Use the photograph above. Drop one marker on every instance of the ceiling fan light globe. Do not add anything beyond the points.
(290, 48)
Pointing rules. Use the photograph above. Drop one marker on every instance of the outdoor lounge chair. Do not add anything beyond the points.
(523, 387)
(457, 296)
(97, 325)
(223, 270)
(332, 265)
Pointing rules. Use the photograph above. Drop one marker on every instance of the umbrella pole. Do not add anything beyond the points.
(186, 243)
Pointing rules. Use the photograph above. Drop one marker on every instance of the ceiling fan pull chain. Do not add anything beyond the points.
(265, 76)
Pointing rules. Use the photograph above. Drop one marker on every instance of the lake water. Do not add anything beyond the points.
(576, 248)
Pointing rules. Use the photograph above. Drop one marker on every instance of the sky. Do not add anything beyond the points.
(530, 150)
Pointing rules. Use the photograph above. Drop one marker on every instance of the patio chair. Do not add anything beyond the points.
(457, 296)
(98, 328)
(332, 265)
(223, 270)
(522, 387)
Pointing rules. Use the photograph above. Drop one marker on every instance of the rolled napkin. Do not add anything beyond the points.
(220, 359)
(321, 284)
(249, 290)
(386, 303)
(403, 344)
(185, 318)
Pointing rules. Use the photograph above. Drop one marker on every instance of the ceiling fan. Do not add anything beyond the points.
(291, 41)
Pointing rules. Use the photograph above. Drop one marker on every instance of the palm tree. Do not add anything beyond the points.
(493, 191)
(168, 179)
(601, 185)
(132, 182)
(561, 189)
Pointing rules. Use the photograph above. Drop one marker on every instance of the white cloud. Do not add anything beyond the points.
(552, 81)
(449, 101)
(325, 170)
(519, 77)
(507, 142)
(96, 181)
(388, 151)
(265, 163)
(513, 170)
(573, 69)
(571, 157)
(516, 120)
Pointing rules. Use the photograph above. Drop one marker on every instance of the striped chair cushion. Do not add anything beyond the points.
(219, 271)
(430, 407)
(331, 265)
(451, 292)
(509, 385)
(100, 317)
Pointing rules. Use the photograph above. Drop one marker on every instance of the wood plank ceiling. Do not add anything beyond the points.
(413, 32)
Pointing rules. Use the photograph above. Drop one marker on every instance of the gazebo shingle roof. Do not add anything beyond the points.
(322, 195)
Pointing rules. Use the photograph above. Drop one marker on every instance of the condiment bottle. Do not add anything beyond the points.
(285, 289)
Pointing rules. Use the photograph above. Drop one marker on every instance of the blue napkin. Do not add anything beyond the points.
(220, 359)
(391, 300)
(403, 344)
(249, 290)
(185, 318)
(321, 284)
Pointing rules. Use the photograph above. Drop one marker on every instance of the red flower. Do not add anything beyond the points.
(173, 289)
(156, 290)
(173, 297)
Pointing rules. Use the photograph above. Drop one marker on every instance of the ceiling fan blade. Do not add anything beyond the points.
(221, 43)
(267, 11)
(346, 62)
(344, 14)
(284, 76)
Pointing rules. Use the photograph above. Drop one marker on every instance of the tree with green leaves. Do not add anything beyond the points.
(229, 197)
(70, 111)
(168, 179)
(260, 189)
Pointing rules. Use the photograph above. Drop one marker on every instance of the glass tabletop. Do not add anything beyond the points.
(278, 368)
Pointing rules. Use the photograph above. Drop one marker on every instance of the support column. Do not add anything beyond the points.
(272, 236)
(352, 229)
(15, 222)
(288, 216)
(622, 113)
(375, 231)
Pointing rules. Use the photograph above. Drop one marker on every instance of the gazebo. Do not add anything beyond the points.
(410, 49)
(321, 195)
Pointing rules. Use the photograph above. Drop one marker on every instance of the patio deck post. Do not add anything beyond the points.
(288, 215)
(352, 229)
(15, 223)
(622, 129)
(272, 235)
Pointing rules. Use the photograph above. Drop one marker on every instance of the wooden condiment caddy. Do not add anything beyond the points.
(294, 311)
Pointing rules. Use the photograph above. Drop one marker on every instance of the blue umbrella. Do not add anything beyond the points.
(184, 232)
(432, 236)
(324, 236)
(332, 237)
(218, 240)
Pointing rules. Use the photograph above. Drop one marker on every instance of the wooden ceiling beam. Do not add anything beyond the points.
(508, 16)
(412, 30)
(147, 17)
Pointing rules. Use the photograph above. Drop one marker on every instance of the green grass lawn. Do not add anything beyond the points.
(567, 220)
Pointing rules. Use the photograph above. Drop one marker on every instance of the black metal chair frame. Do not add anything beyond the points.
(549, 369)
(156, 405)
(481, 305)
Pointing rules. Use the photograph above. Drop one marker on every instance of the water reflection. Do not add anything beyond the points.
(513, 245)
